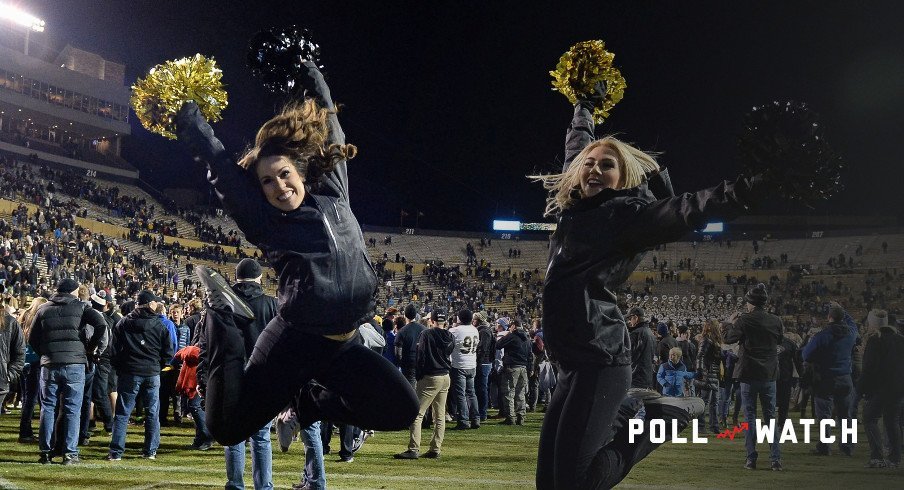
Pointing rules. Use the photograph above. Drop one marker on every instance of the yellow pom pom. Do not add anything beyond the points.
(158, 97)
(581, 68)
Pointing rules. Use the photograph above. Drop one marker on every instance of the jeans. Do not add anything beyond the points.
(31, 374)
(516, 380)
(481, 386)
(314, 474)
(85, 419)
(129, 386)
(889, 408)
(579, 421)
(833, 391)
(261, 462)
(354, 384)
(66, 382)
(465, 398)
(765, 391)
(711, 397)
(100, 394)
(202, 435)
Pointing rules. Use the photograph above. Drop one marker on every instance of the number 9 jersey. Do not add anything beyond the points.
(464, 356)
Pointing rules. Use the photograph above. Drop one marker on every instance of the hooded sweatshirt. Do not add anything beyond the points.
(141, 344)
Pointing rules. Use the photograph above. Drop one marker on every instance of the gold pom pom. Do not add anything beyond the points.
(581, 68)
(158, 97)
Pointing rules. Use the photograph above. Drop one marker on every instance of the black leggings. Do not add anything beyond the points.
(354, 385)
(575, 449)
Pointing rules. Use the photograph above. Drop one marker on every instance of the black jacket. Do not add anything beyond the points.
(709, 364)
(486, 346)
(642, 345)
(663, 347)
(434, 352)
(12, 352)
(518, 349)
(759, 334)
(598, 243)
(141, 344)
(264, 308)
(882, 360)
(326, 280)
(65, 329)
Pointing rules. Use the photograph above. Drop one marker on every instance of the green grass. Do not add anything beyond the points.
(495, 456)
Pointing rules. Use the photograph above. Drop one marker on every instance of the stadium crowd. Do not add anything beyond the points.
(485, 358)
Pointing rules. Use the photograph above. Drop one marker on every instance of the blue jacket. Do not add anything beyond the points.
(830, 349)
(173, 334)
(672, 376)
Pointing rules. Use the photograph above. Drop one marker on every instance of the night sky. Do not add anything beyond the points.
(450, 103)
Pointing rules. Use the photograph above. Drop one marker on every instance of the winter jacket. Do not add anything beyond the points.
(65, 329)
(517, 347)
(788, 360)
(600, 240)
(642, 346)
(264, 308)
(665, 344)
(830, 349)
(486, 347)
(881, 374)
(12, 352)
(141, 344)
(672, 377)
(434, 353)
(326, 280)
(709, 364)
(759, 334)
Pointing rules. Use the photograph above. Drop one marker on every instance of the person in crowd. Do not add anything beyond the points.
(12, 353)
(642, 347)
(100, 387)
(829, 352)
(518, 355)
(141, 348)
(759, 333)
(464, 370)
(289, 195)
(688, 349)
(666, 341)
(789, 365)
(30, 374)
(709, 370)
(248, 287)
(389, 333)
(406, 344)
(486, 351)
(434, 352)
(883, 386)
(672, 373)
(64, 331)
(538, 348)
(169, 375)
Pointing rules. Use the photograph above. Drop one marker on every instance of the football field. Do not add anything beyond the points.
(495, 456)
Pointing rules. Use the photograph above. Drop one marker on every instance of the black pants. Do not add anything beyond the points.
(168, 396)
(574, 453)
(888, 407)
(100, 394)
(347, 436)
(783, 399)
(353, 384)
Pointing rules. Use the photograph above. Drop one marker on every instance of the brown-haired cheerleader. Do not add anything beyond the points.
(289, 195)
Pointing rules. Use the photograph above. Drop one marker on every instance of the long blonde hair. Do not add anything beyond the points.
(27, 317)
(564, 188)
(299, 132)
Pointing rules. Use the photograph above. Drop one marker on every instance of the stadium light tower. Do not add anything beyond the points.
(22, 18)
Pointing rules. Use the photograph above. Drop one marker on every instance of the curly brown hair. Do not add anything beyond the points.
(299, 132)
